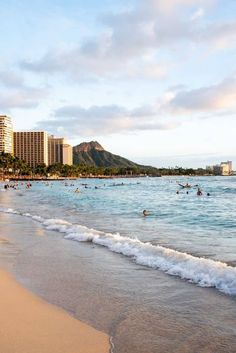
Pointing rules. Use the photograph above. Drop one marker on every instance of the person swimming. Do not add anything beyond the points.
(199, 192)
(145, 213)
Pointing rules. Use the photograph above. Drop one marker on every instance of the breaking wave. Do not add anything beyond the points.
(201, 271)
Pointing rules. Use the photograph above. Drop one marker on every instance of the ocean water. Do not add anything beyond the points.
(166, 271)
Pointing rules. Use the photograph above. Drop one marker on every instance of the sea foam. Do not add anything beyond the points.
(201, 271)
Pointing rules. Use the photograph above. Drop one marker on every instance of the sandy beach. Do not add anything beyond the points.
(30, 325)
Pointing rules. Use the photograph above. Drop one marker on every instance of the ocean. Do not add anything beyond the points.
(161, 283)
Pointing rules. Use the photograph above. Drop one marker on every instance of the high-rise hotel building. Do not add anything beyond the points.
(67, 154)
(59, 151)
(6, 134)
(36, 147)
(31, 147)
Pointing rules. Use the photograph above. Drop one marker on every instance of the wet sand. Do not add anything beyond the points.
(30, 325)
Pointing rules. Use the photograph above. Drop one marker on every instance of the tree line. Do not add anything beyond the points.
(10, 165)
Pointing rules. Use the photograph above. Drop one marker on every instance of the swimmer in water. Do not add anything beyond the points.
(199, 192)
(145, 213)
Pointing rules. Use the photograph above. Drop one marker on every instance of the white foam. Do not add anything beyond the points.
(201, 271)
(27, 215)
(9, 210)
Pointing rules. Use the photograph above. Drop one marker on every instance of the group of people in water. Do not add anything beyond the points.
(85, 185)
(199, 192)
(10, 186)
(183, 186)
(15, 186)
(145, 213)
(188, 186)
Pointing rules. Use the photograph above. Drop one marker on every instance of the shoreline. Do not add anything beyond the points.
(109, 291)
(8, 178)
(48, 179)
(31, 325)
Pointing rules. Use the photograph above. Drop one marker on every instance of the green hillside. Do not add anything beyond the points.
(93, 154)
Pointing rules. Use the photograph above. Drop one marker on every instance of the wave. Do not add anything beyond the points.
(201, 271)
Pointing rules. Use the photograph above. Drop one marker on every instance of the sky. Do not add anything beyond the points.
(151, 80)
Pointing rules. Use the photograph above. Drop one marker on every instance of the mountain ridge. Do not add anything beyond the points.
(93, 154)
(88, 146)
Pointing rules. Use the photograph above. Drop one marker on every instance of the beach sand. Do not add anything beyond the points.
(30, 325)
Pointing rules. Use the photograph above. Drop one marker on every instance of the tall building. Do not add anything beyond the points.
(55, 149)
(59, 151)
(31, 147)
(216, 169)
(6, 134)
(67, 154)
(226, 168)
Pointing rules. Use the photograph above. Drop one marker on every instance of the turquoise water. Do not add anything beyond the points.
(201, 226)
(94, 252)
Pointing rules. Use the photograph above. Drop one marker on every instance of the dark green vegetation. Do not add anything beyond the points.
(13, 166)
(93, 154)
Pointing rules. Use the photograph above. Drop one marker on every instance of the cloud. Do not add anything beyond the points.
(215, 98)
(10, 79)
(220, 35)
(168, 112)
(197, 14)
(15, 93)
(134, 38)
(169, 6)
(89, 67)
(76, 121)
(16, 100)
(25, 98)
